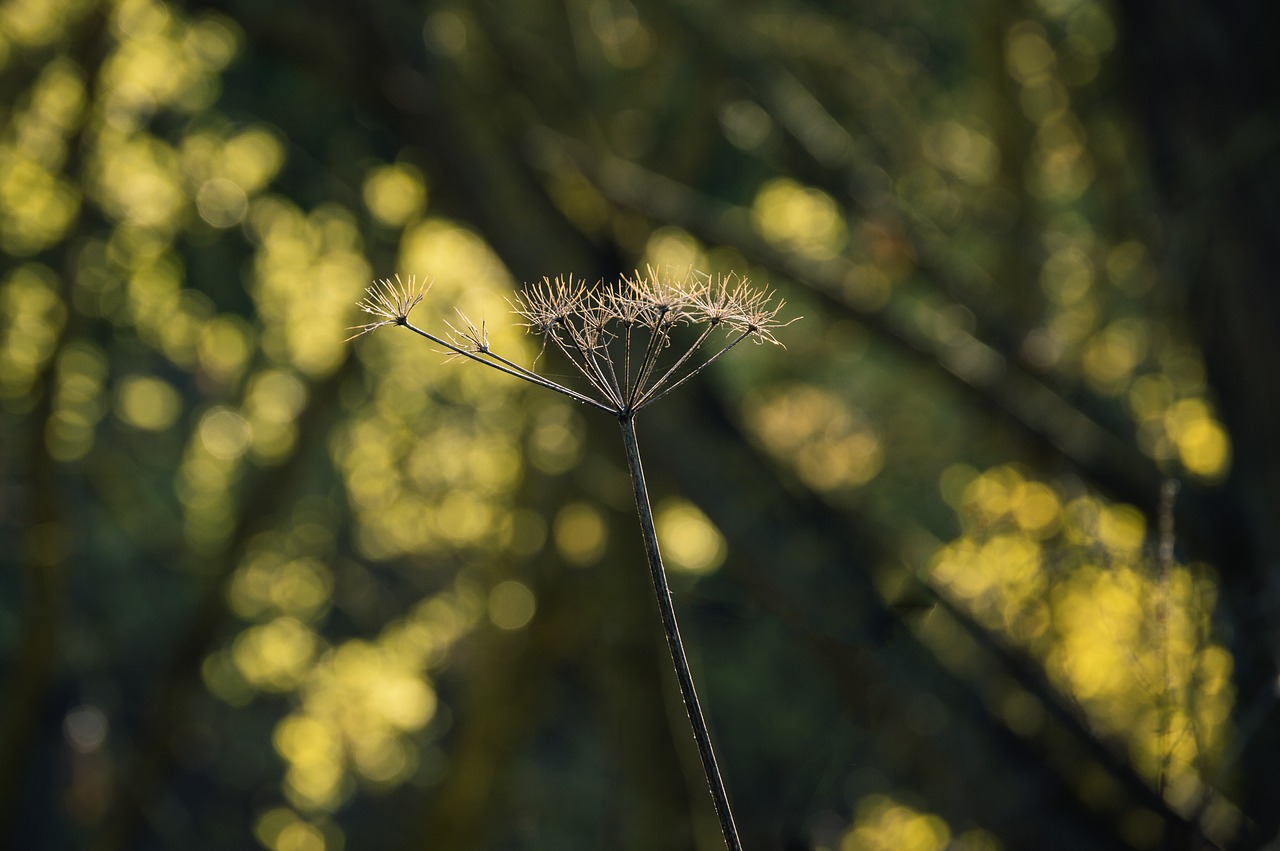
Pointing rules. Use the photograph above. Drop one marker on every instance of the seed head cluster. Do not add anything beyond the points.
(624, 338)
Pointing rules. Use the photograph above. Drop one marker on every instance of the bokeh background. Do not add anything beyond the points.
(984, 559)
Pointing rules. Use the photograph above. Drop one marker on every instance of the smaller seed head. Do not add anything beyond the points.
(659, 299)
(469, 338)
(733, 301)
(547, 304)
(390, 301)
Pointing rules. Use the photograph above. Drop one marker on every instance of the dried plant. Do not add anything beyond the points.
(621, 340)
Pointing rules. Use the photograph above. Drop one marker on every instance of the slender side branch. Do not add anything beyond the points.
(667, 612)
(520, 371)
(654, 393)
(658, 337)
(626, 358)
(675, 367)
(517, 372)
(577, 355)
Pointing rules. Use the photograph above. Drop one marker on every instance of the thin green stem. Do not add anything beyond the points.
(667, 612)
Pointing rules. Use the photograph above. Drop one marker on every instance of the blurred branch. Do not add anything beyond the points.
(837, 160)
(709, 464)
(1004, 389)
(358, 51)
(175, 688)
(1073, 421)
(43, 556)
(45, 552)
(1202, 80)
(495, 715)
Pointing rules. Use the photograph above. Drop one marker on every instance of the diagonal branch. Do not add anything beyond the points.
(1004, 388)
(854, 540)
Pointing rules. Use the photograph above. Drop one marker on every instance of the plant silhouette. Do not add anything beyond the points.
(621, 340)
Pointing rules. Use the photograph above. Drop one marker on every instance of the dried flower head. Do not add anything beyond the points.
(391, 301)
(732, 300)
(547, 304)
(621, 338)
(469, 338)
(660, 299)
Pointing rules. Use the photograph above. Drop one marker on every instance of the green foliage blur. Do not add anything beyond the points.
(983, 559)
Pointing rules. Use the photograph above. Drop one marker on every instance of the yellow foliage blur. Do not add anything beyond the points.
(126, 185)
(361, 700)
(689, 540)
(1071, 578)
(883, 824)
(831, 443)
(799, 218)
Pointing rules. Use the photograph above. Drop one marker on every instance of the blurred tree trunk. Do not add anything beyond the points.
(1203, 79)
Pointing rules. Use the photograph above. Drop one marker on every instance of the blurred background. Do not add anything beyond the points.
(984, 559)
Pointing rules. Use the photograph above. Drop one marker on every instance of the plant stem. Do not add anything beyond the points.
(512, 369)
(654, 393)
(667, 612)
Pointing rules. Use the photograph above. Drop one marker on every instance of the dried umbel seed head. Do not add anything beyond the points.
(390, 301)
(547, 304)
(658, 301)
(732, 300)
(661, 299)
(469, 338)
(617, 336)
